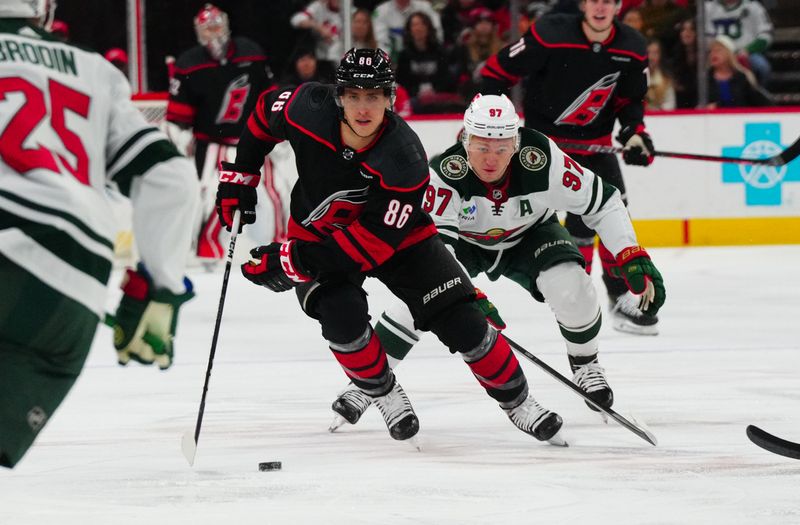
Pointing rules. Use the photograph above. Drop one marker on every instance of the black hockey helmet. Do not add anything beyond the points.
(365, 69)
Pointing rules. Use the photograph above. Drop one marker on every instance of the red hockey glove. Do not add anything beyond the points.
(642, 278)
(276, 266)
(236, 190)
(637, 146)
(489, 310)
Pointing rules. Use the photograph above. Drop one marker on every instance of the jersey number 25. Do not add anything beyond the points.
(23, 159)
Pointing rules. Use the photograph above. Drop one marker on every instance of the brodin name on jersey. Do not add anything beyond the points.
(588, 105)
(336, 212)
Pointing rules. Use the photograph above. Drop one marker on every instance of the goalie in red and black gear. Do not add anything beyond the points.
(213, 89)
(356, 213)
(582, 72)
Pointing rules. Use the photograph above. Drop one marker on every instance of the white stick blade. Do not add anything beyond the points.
(189, 446)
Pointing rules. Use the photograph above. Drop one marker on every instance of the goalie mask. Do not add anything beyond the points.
(40, 10)
(213, 31)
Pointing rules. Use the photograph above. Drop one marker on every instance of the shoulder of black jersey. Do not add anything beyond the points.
(192, 57)
(630, 41)
(246, 47)
(310, 102)
(558, 29)
(398, 159)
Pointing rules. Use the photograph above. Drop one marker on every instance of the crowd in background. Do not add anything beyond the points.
(439, 46)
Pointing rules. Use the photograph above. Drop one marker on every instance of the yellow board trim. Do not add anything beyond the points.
(718, 232)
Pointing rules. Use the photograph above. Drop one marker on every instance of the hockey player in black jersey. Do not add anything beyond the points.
(582, 73)
(356, 213)
(213, 89)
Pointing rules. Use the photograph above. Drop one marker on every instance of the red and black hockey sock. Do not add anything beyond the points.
(208, 243)
(614, 285)
(364, 362)
(588, 254)
(496, 368)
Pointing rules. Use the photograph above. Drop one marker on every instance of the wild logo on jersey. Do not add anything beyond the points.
(532, 158)
(337, 211)
(492, 236)
(454, 167)
(584, 110)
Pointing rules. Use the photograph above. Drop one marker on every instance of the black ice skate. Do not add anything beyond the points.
(591, 377)
(628, 318)
(531, 418)
(398, 414)
(349, 407)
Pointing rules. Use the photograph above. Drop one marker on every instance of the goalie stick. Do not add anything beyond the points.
(639, 431)
(782, 158)
(189, 440)
(772, 443)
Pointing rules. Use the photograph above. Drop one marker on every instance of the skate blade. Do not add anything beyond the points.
(603, 417)
(630, 328)
(337, 422)
(414, 442)
(558, 440)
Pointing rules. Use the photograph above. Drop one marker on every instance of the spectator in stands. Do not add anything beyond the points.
(660, 19)
(422, 67)
(730, 85)
(684, 65)
(633, 18)
(456, 19)
(323, 19)
(480, 42)
(390, 20)
(748, 25)
(362, 31)
(304, 67)
(660, 93)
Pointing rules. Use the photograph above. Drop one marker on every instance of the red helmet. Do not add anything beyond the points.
(213, 31)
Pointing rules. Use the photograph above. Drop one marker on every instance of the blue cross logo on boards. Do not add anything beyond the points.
(762, 183)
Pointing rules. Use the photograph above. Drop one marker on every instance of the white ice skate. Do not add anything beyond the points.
(628, 318)
(530, 417)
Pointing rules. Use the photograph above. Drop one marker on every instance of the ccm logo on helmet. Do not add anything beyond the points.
(440, 289)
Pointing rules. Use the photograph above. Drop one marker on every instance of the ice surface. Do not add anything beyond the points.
(728, 355)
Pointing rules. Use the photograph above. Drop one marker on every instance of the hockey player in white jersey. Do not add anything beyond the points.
(67, 130)
(494, 197)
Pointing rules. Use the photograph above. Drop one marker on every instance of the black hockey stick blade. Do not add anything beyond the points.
(772, 443)
(787, 155)
(639, 431)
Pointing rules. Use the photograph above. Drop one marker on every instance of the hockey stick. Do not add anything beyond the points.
(189, 441)
(639, 431)
(772, 443)
(782, 158)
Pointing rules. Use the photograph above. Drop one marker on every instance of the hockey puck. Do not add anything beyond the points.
(269, 465)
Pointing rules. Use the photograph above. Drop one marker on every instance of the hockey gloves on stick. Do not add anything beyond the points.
(276, 266)
(642, 278)
(637, 146)
(489, 310)
(145, 310)
(236, 190)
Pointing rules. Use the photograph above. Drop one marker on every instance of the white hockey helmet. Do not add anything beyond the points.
(213, 31)
(491, 117)
(40, 10)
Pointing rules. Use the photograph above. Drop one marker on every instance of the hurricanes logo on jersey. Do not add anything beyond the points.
(584, 110)
(532, 158)
(234, 99)
(454, 167)
(337, 211)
